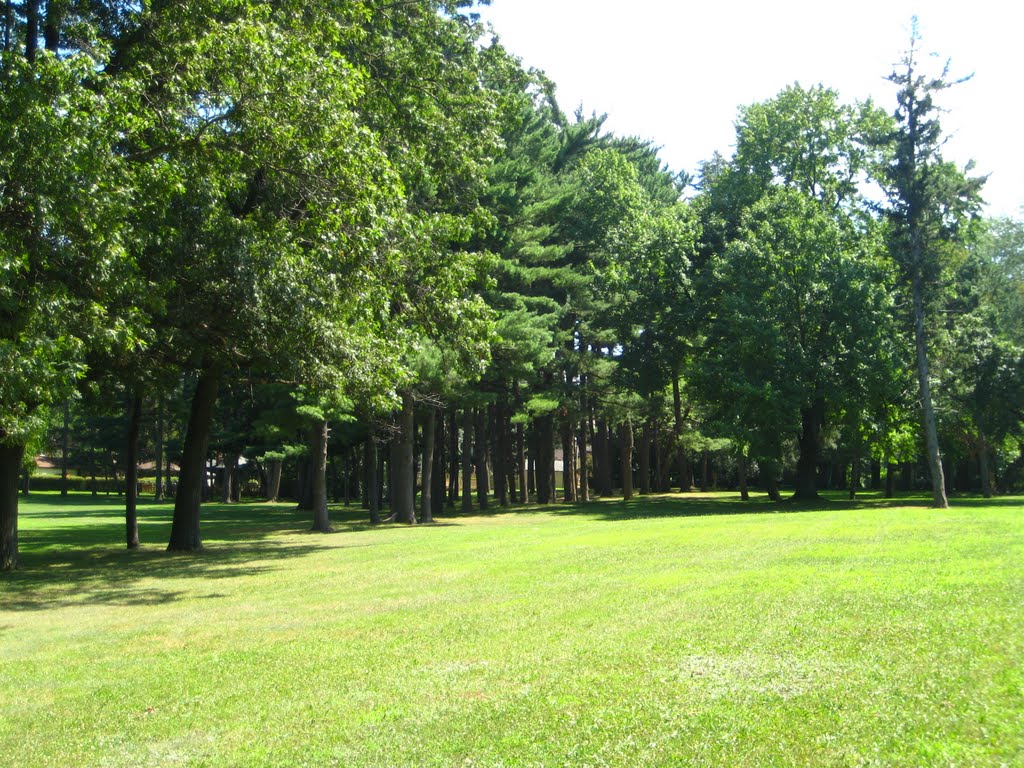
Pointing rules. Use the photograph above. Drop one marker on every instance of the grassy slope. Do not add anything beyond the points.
(666, 632)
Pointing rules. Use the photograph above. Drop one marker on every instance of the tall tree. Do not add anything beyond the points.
(930, 203)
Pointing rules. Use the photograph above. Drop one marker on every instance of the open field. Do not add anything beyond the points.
(669, 631)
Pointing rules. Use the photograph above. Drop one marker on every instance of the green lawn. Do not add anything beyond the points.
(670, 631)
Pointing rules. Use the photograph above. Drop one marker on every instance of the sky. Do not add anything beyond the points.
(676, 72)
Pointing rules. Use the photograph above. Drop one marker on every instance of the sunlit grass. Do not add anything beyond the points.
(669, 631)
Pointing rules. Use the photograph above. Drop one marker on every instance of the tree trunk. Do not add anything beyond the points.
(645, 459)
(741, 470)
(403, 495)
(568, 464)
(931, 430)
(65, 444)
(603, 467)
(453, 458)
(426, 497)
(131, 474)
(227, 491)
(524, 494)
(158, 438)
(318, 475)
(185, 535)
(677, 435)
(545, 459)
(503, 451)
(581, 450)
(467, 461)
(626, 432)
(274, 468)
(437, 496)
(890, 479)
(480, 455)
(813, 419)
(854, 478)
(771, 480)
(372, 480)
(10, 467)
(983, 467)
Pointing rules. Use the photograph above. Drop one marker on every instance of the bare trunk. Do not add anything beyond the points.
(372, 480)
(626, 432)
(10, 467)
(568, 465)
(983, 467)
(131, 474)
(426, 497)
(467, 460)
(741, 468)
(581, 440)
(65, 444)
(524, 495)
(931, 430)
(318, 475)
(480, 445)
(403, 495)
(274, 467)
(158, 438)
(813, 419)
(645, 459)
(185, 534)
(453, 458)
(771, 480)
(227, 490)
(545, 459)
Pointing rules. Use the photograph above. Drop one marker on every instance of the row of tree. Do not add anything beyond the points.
(280, 228)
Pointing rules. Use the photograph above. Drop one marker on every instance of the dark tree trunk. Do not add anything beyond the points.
(185, 535)
(890, 479)
(467, 461)
(876, 474)
(931, 430)
(51, 27)
(704, 473)
(908, 475)
(31, 28)
(603, 467)
(429, 425)
(403, 496)
(318, 475)
(274, 467)
(813, 419)
(503, 453)
(453, 458)
(131, 474)
(854, 478)
(10, 467)
(770, 473)
(304, 469)
(626, 431)
(482, 484)
(741, 470)
(437, 498)
(983, 467)
(545, 459)
(677, 435)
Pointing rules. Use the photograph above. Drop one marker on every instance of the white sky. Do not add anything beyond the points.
(675, 72)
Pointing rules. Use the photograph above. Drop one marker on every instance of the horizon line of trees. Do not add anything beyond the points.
(361, 236)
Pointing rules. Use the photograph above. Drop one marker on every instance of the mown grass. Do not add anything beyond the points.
(667, 631)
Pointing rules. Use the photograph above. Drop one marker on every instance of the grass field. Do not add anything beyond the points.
(670, 631)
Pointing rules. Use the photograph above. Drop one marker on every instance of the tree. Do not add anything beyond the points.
(930, 204)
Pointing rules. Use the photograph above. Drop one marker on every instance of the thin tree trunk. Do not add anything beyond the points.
(227, 491)
(429, 425)
(568, 465)
(581, 440)
(318, 475)
(480, 446)
(158, 485)
(185, 534)
(627, 459)
(372, 481)
(645, 459)
(10, 467)
(131, 474)
(771, 480)
(931, 430)
(467, 460)
(453, 457)
(524, 495)
(437, 497)
(854, 478)
(65, 444)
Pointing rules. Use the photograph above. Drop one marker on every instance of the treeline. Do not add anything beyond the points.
(354, 250)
